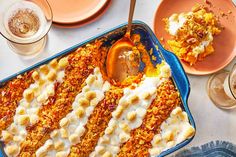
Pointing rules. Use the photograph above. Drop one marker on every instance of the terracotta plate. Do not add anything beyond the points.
(224, 43)
(73, 11)
(86, 21)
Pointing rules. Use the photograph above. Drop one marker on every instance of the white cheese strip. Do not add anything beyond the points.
(202, 46)
(27, 111)
(129, 114)
(72, 126)
(173, 131)
(175, 22)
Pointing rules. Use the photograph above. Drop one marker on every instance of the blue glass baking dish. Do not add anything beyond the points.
(150, 41)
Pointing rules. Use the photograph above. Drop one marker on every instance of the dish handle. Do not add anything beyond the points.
(178, 73)
(181, 81)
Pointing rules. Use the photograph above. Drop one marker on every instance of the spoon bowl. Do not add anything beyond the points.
(121, 61)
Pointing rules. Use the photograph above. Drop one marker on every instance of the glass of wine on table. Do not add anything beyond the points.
(25, 24)
(221, 88)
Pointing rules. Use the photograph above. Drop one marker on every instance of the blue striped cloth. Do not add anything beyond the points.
(211, 149)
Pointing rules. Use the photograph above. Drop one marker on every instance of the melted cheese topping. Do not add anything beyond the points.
(129, 114)
(176, 22)
(173, 131)
(28, 108)
(72, 126)
(202, 46)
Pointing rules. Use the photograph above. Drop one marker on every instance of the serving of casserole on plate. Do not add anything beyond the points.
(198, 32)
(66, 105)
(193, 33)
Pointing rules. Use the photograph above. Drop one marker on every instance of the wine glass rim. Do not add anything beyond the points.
(50, 25)
(229, 80)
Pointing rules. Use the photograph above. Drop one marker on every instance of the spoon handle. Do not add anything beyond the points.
(131, 13)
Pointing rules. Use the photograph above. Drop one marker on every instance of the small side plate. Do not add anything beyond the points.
(224, 43)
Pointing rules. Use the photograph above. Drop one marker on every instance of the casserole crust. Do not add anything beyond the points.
(69, 107)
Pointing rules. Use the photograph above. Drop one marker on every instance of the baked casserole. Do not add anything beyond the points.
(69, 107)
(192, 33)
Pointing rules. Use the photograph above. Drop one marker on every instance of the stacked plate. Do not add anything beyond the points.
(76, 13)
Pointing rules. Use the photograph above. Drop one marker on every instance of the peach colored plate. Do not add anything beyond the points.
(74, 11)
(224, 43)
(86, 21)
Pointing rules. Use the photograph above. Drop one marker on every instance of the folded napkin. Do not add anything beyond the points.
(211, 149)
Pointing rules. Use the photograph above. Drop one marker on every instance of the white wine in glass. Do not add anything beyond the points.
(221, 88)
(25, 24)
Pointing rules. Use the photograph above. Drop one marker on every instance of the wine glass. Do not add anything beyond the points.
(221, 88)
(25, 24)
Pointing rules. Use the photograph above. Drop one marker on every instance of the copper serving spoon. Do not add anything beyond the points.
(121, 61)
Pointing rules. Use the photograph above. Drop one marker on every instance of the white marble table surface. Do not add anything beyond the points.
(212, 123)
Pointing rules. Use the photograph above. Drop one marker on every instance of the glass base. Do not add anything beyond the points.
(28, 49)
(216, 92)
